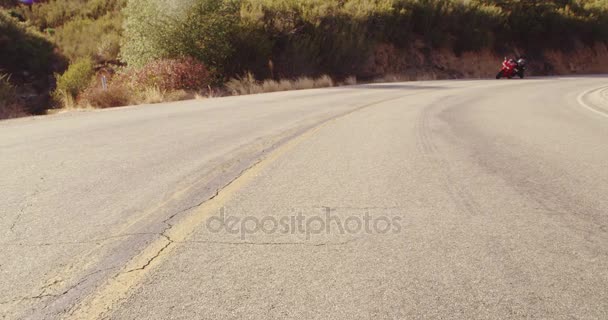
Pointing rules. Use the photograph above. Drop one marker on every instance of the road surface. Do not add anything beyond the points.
(442, 200)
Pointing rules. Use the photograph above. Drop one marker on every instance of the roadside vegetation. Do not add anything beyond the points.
(9, 104)
(153, 50)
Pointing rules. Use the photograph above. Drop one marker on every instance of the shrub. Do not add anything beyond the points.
(146, 32)
(156, 30)
(9, 102)
(350, 81)
(272, 86)
(207, 32)
(324, 81)
(116, 95)
(74, 80)
(84, 37)
(170, 75)
(159, 81)
(156, 95)
(51, 14)
(247, 84)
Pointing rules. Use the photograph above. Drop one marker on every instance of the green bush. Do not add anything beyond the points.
(203, 29)
(84, 37)
(147, 33)
(74, 80)
(51, 14)
(207, 32)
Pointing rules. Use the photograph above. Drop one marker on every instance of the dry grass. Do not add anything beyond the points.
(324, 81)
(178, 95)
(350, 81)
(114, 96)
(210, 93)
(152, 95)
(303, 83)
(247, 84)
(199, 96)
(65, 99)
(242, 85)
(118, 96)
(271, 86)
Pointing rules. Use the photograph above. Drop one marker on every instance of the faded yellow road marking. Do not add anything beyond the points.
(101, 302)
(117, 288)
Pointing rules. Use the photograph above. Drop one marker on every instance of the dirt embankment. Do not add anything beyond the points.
(422, 63)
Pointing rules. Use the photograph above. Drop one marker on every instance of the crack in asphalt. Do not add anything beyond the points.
(158, 253)
(43, 295)
(166, 222)
(169, 225)
(260, 158)
(256, 159)
(218, 190)
(24, 207)
(14, 224)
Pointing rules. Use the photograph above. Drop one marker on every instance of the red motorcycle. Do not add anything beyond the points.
(512, 68)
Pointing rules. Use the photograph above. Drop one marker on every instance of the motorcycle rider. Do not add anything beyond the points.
(511, 62)
(512, 66)
(521, 61)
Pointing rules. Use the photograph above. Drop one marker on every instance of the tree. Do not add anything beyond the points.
(202, 29)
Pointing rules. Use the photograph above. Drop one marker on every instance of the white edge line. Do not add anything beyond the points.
(587, 106)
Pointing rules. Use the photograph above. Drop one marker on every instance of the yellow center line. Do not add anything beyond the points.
(117, 288)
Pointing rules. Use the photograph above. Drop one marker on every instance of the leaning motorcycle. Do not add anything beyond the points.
(511, 68)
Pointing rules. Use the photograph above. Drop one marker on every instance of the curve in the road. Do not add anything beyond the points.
(467, 111)
(132, 274)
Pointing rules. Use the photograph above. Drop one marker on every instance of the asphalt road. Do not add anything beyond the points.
(436, 200)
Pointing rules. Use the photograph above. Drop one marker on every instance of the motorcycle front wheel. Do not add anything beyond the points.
(499, 75)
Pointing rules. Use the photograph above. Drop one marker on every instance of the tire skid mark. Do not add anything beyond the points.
(502, 258)
(431, 151)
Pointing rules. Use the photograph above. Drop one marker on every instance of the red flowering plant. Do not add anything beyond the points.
(130, 86)
(171, 74)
